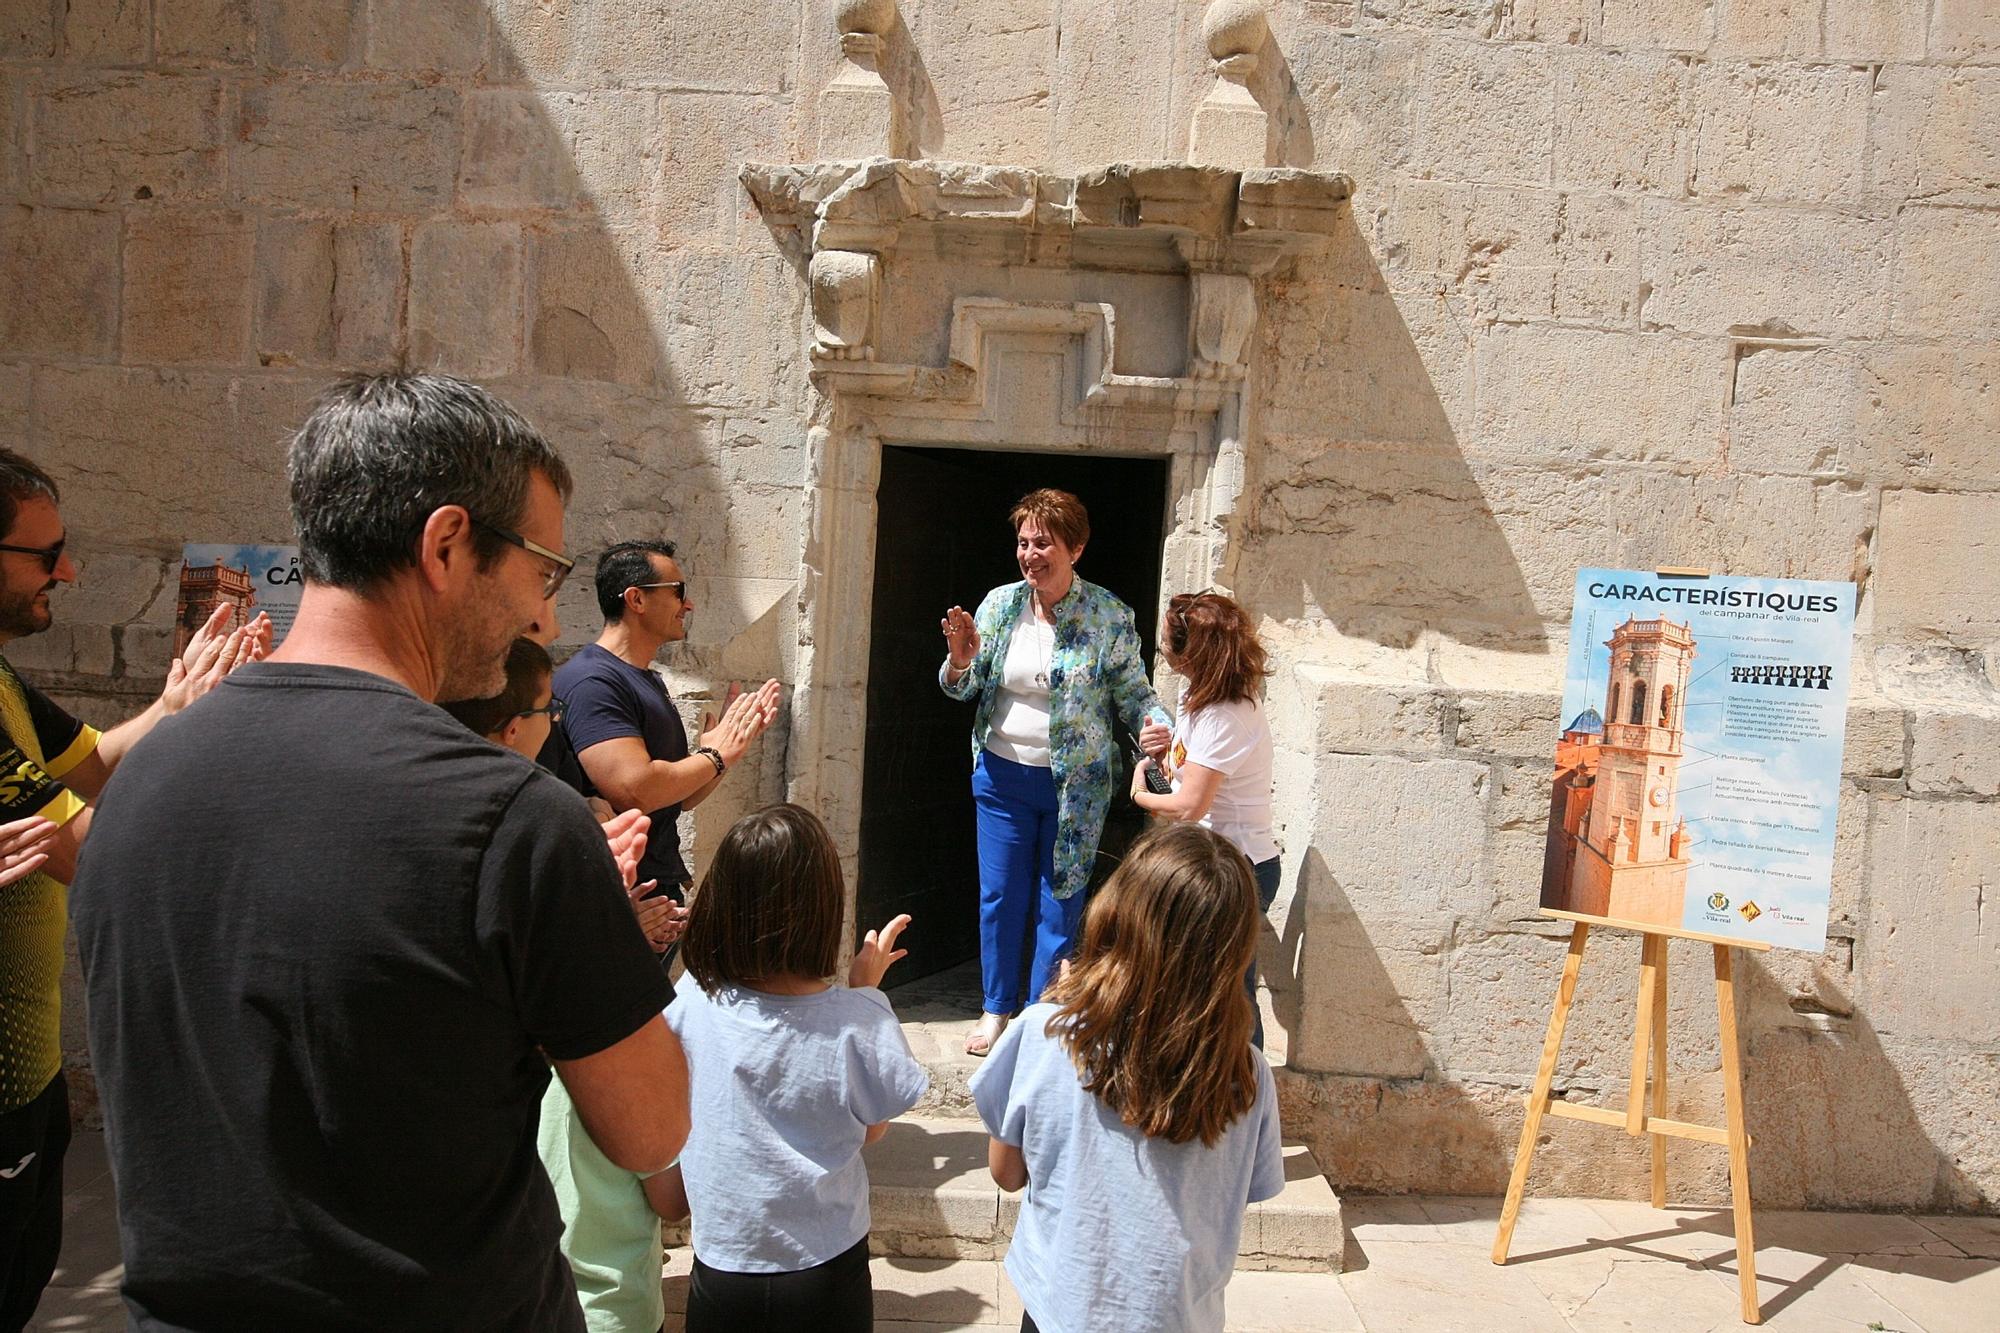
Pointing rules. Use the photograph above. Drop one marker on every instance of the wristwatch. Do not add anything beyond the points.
(713, 755)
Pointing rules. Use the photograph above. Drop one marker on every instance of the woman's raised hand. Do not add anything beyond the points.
(961, 639)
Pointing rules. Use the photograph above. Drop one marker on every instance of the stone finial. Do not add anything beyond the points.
(1235, 30)
(1230, 128)
(873, 17)
(858, 114)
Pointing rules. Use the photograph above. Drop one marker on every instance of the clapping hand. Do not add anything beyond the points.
(744, 717)
(961, 638)
(211, 654)
(626, 835)
(24, 847)
(878, 950)
(662, 919)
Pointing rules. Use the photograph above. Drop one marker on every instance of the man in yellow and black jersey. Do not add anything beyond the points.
(51, 767)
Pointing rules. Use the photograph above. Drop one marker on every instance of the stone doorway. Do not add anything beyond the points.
(941, 538)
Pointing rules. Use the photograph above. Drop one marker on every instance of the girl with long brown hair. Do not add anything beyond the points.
(1219, 760)
(1132, 1104)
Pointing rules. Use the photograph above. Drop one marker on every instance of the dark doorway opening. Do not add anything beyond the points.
(942, 539)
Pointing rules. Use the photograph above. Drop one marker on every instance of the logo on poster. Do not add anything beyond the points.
(1718, 902)
(1749, 911)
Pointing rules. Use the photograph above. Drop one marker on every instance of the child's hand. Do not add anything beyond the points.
(877, 951)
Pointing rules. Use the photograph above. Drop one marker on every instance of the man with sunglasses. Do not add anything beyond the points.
(619, 716)
(52, 767)
(333, 941)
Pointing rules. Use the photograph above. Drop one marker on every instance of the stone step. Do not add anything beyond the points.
(932, 1198)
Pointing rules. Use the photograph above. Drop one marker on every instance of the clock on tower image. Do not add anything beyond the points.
(1617, 846)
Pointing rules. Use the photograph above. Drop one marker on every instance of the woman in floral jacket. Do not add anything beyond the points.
(1050, 660)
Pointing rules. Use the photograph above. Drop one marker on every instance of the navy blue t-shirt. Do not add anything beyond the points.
(607, 698)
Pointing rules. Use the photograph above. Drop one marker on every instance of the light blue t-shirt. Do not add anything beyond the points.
(1119, 1231)
(781, 1089)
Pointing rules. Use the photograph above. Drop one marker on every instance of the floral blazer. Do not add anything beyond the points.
(1096, 670)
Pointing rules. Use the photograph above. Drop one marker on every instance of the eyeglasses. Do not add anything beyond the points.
(49, 554)
(553, 708)
(678, 585)
(555, 577)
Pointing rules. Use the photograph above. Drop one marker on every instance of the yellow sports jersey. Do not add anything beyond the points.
(39, 743)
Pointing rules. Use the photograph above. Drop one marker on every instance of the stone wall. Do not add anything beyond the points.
(1627, 282)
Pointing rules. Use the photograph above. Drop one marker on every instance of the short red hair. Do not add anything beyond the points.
(1057, 513)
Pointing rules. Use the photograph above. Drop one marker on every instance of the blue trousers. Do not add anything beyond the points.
(1268, 874)
(1015, 806)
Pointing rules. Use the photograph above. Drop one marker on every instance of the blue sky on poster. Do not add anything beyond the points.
(1762, 809)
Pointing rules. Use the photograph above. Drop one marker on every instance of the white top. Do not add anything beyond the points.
(1119, 1231)
(781, 1089)
(1233, 739)
(1020, 727)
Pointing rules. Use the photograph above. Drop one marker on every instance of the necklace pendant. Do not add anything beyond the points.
(1042, 679)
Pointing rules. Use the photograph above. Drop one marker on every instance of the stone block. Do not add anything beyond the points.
(465, 298)
(1875, 31)
(372, 147)
(15, 383)
(321, 35)
(27, 31)
(1955, 752)
(1965, 31)
(514, 156)
(1111, 103)
(328, 294)
(763, 451)
(425, 36)
(587, 318)
(1936, 134)
(1511, 724)
(1929, 415)
(705, 137)
(205, 32)
(1521, 253)
(1779, 132)
(1402, 837)
(106, 32)
(1658, 25)
(135, 136)
(1928, 969)
(11, 124)
(1937, 571)
(1874, 740)
(601, 43)
(1363, 93)
(1366, 367)
(1358, 717)
(186, 296)
(206, 470)
(731, 329)
(1715, 270)
(1792, 410)
(1767, 28)
(1622, 123)
(60, 269)
(1559, 22)
(1579, 396)
(990, 63)
(1390, 973)
(1487, 113)
(1944, 284)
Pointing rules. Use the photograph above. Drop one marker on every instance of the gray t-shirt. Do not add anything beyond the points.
(1119, 1230)
(781, 1089)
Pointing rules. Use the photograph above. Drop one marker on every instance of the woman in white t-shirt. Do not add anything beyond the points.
(1220, 759)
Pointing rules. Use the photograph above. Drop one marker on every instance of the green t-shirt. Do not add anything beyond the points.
(611, 1235)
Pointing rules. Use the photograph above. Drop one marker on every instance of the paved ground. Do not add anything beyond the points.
(1413, 1264)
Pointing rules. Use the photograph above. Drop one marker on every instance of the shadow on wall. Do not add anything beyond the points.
(1366, 512)
(1387, 1118)
(1815, 1071)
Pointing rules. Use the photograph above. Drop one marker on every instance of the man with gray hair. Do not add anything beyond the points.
(332, 940)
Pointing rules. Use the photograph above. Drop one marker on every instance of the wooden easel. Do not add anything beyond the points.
(1649, 1040)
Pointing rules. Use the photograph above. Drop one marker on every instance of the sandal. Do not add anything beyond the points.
(985, 1033)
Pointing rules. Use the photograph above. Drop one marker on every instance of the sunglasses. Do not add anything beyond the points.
(678, 585)
(49, 554)
(554, 579)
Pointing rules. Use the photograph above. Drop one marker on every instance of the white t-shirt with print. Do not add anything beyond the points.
(1233, 739)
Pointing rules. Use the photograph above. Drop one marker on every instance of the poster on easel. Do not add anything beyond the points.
(250, 578)
(1697, 773)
